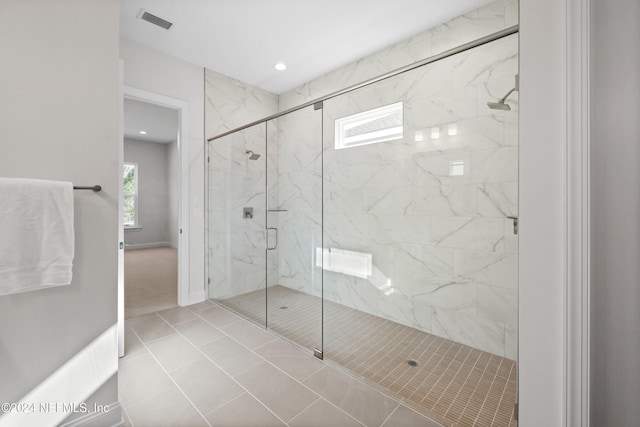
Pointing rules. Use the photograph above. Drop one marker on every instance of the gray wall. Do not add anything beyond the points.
(59, 121)
(615, 213)
(151, 158)
(173, 181)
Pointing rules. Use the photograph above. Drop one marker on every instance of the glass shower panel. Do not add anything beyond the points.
(294, 227)
(419, 201)
(237, 191)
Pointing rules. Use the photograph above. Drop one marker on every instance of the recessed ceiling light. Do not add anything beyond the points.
(280, 66)
(143, 132)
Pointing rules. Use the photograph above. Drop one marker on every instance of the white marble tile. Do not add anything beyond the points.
(511, 14)
(452, 295)
(378, 177)
(445, 200)
(416, 171)
(350, 225)
(499, 165)
(403, 228)
(476, 233)
(473, 331)
(447, 107)
(422, 314)
(510, 239)
(498, 304)
(486, 268)
(466, 29)
(337, 200)
(511, 342)
(231, 103)
(490, 61)
(397, 307)
(353, 292)
(424, 259)
(498, 199)
(393, 201)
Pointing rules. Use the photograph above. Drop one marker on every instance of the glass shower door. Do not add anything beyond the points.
(294, 227)
(237, 188)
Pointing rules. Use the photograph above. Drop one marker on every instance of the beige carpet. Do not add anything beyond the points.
(150, 280)
(452, 383)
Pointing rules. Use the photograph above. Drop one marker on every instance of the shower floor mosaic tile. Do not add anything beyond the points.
(450, 382)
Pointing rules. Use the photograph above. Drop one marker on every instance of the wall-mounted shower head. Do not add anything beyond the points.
(501, 104)
(252, 155)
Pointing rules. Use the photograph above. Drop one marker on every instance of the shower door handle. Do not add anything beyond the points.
(269, 248)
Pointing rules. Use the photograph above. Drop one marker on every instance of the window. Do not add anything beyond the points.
(130, 195)
(370, 127)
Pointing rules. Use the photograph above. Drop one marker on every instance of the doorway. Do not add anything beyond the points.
(153, 234)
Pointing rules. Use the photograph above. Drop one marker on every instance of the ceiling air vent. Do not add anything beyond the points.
(146, 16)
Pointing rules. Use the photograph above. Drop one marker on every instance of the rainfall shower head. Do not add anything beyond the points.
(501, 104)
(252, 155)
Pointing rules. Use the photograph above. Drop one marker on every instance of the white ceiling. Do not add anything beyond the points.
(160, 123)
(243, 39)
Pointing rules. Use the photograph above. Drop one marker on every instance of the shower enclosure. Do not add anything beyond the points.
(377, 229)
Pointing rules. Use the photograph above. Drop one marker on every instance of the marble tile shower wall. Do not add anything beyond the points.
(443, 240)
(492, 17)
(236, 245)
(432, 208)
(300, 194)
(483, 314)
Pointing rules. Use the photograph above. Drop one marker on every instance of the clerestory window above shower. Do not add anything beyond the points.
(370, 127)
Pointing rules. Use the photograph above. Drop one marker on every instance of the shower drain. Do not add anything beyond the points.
(412, 363)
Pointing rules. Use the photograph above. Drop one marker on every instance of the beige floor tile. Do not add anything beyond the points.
(247, 334)
(295, 362)
(232, 357)
(352, 396)
(244, 411)
(406, 417)
(200, 306)
(174, 352)
(132, 320)
(276, 390)
(323, 414)
(199, 332)
(218, 316)
(140, 377)
(133, 347)
(206, 385)
(176, 315)
(166, 409)
(151, 328)
(125, 417)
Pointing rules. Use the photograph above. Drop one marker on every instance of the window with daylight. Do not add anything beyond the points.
(130, 195)
(370, 127)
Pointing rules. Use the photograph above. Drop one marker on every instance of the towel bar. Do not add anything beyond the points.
(94, 188)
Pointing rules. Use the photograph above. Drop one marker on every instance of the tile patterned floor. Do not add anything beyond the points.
(453, 383)
(204, 366)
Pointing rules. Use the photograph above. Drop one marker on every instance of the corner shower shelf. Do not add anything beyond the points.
(277, 210)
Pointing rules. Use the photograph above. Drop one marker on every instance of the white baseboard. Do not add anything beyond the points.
(173, 245)
(196, 297)
(111, 418)
(134, 246)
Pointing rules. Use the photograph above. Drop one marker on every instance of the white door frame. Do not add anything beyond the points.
(183, 194)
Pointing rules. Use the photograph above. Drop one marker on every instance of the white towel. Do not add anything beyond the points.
(36, 234)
